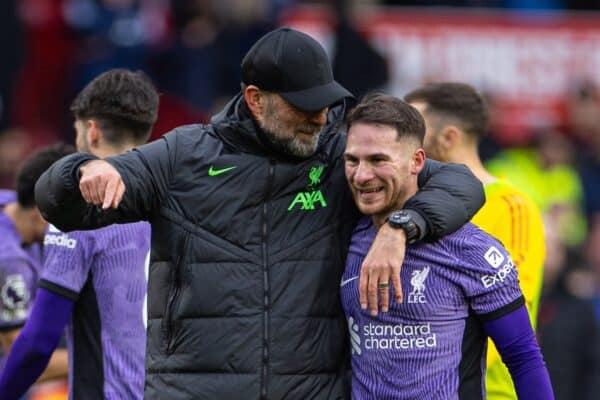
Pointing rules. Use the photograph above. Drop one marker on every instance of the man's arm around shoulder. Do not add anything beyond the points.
(81, 192)
(449, 196)
(57, 193)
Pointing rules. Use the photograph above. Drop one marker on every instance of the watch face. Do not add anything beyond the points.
(399, 217)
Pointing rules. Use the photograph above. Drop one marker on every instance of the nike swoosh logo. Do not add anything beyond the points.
(347, 281)
(215, 172)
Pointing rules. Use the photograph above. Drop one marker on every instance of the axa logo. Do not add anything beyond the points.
(354, 336)
(417, 295)
(310, 199)
(60, 240)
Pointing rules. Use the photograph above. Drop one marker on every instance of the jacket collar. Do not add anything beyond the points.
(237, 128)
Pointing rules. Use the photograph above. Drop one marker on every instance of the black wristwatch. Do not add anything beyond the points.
(402, 220)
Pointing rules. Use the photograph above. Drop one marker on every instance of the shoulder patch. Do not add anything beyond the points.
(15, 297)
(494, 257)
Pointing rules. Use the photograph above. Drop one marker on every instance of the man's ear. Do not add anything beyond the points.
(93, 133)
(255, 100)
(418, 161)
(450, 137)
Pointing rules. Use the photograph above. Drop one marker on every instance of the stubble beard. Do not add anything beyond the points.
(286, 140)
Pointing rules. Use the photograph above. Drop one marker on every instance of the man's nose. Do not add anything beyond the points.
(364, 173)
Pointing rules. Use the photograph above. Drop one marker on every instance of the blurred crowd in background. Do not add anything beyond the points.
(192, 51)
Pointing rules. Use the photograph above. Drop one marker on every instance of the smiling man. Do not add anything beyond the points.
(464, 286)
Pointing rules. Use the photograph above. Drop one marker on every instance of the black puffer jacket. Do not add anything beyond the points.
(247, 254)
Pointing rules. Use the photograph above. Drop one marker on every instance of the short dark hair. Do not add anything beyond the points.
(381, 109)
(454, 100)
(124, 103)
(34, 166)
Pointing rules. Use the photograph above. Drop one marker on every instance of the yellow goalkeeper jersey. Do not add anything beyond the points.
(514, 219)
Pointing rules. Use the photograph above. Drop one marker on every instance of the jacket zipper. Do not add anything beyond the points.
(175, 293)
(266, 299)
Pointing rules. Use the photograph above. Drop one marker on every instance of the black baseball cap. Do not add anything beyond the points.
(295, 66)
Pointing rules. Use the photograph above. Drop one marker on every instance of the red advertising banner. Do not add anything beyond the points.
(526, 62)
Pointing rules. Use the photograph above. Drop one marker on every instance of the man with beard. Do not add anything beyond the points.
(251, 219)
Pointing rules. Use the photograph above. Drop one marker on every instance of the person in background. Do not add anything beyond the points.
(545, 171)
(456, 119)
(94, 282)
(568, 332)
(22, 229)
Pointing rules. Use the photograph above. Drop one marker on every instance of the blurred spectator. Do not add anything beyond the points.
(546, 173)
(14, 147)
(186, 69)
(568, 333)
(211, 37)
(514, 4)
(592, 253)
(40, 101)
(11, 48)
(114, 34)
(356, 64)
(534, 4)
(583, 4)
(242, 23)
(119, 34)
(583, 104)
(174, 112)
(583, 124)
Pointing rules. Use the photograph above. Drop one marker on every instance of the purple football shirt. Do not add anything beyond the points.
(432, 345)
(19, 269)
(103, 271)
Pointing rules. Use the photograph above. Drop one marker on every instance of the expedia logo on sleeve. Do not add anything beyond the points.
(62, 240)
(500, 276)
